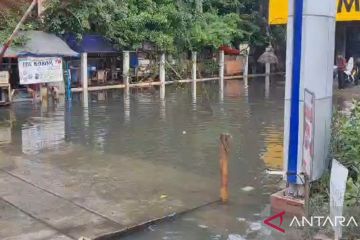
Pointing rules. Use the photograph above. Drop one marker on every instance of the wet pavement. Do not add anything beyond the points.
(114, 160)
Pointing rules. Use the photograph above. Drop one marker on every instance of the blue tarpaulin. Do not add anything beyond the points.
(95, 44)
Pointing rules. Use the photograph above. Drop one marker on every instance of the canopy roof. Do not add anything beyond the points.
(91, 43)
(39, 43)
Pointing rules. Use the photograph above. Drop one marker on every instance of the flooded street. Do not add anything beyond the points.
(129, 159)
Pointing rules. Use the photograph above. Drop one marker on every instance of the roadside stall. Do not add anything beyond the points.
(104, 62)
(5, 88)
(37, 67)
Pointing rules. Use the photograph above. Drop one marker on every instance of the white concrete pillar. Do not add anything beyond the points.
(221, 73)
(317, 59)
(162, 69)
(193, 75)
(162, 76)
(245, 49)
(84, 71)
(126, 68)
(267, 69)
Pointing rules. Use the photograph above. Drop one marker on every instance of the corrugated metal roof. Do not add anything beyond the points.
(41, 44)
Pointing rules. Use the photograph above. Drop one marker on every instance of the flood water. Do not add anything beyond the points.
(177, 131)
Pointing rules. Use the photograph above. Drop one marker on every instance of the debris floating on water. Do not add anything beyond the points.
(203, 226)
(255, 226)
(273, 172)
(247, 188)
(235, 237)
(241, 219)
(163, 196)
(184, 132)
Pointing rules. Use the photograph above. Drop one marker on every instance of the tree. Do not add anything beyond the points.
(10, 16)
(169, 25)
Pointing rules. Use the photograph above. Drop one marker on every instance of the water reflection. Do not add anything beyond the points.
(127, 105)
(162, 91)
(267, 86)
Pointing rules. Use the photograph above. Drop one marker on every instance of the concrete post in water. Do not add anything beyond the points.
(224, 166)
(193, 75)
(245, 49)
(267, 69)
(221, 73)
(162, 76)
(310, 55)
(162, 69)
(126, 68)
(84, 71)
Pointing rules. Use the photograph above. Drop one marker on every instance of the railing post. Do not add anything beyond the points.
(84, 71)
(162, 75)
(193, 74)
(126, 68)
(162, 69)
(221, 72)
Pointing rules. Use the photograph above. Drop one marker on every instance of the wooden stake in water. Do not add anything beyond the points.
(224, 166)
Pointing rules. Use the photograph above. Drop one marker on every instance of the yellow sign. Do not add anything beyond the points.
(347, 10)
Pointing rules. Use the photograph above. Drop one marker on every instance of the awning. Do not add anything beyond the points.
(39, 43)
(229, 51)
(95, 44)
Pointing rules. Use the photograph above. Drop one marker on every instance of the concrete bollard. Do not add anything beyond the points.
(224, 166)
(84, 71)
(221, 70)
(221, 74)
(267, 69)
(126, 68)
(193, 74)
(162, 76)
(162, 69)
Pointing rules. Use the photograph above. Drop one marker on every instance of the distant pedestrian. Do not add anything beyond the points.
(341, 68)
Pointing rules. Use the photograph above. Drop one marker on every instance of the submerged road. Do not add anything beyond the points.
(112, 162)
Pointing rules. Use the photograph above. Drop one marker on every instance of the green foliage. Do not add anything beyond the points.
(169, 25)
(345, 147)
(9, 19)
(346, 140)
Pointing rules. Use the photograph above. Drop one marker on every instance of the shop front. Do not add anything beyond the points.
(347, 27)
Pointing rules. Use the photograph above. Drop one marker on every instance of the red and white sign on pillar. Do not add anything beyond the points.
(309, 129)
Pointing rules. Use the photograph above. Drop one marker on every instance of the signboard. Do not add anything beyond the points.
(309, 129)
(4, 77)
(347, 10)
(338, 179)
(33, 70)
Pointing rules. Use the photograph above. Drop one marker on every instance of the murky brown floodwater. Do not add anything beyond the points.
(174, 132)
